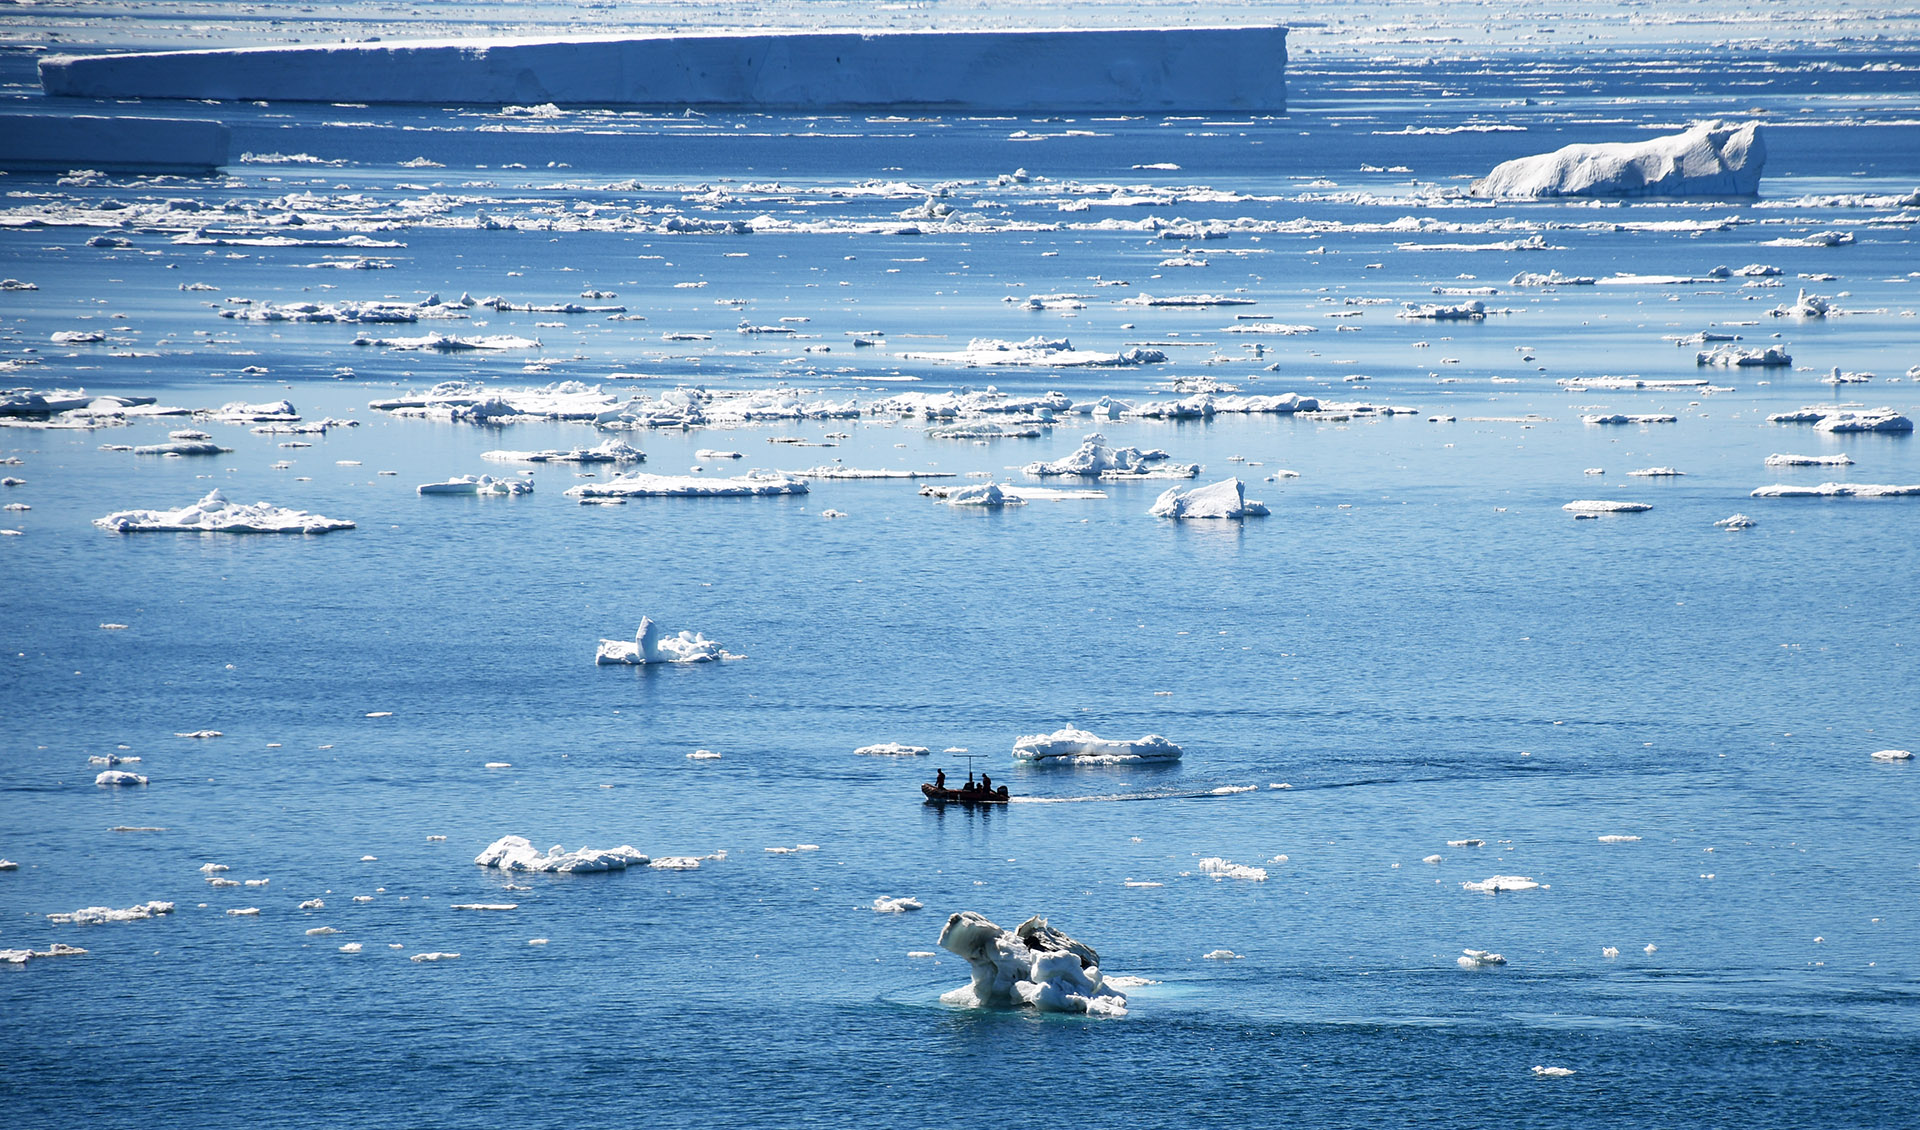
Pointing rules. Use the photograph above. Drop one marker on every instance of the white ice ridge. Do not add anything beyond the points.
(1605, 506)
(1151, 69)
(1095, 460)
(1032, 965)
(95, 915)
(892, 749)
(651, 646)
(516, 853)
(214, 514)
(612, 451)
(1712, 158)
(483, 485)
(1224, 499)
(640, 484)
(1079, 747)
(1838, 490)
(1041, 352)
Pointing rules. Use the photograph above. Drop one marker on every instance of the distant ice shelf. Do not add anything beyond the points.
(1147, 69)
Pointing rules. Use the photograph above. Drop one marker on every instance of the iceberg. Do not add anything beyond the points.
(1079, 747)
(214, 514)
(1135, 70)
(486, 486)
(1032, 965)
(639, 484)
(112, 777)
(647, 647)
(95, 915)
(1805, 307)
(892, 749)
(1733, 522)
(516, 853)
(1095, 460)
(989, 495)
(1734, 357)
(1712, 158)
(1224, 499)
(1837, 490)
(1605, 506)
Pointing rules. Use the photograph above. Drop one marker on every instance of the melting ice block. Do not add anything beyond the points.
(214, 514)
(1031, 965)
(1710, 159)
(1079, 747)
(649, 647)
(486, 486)
(516, 853)
(1605, 506)
(1224, 499)
(1094, 459)
(95, 915)
(639, 484)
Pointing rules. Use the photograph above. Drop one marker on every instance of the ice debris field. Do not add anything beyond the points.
(1416, 508)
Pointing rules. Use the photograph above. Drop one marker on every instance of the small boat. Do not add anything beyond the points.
(968, 795)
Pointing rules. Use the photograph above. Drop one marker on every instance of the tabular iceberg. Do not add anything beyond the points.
(1079, 747)
(1032, 964)
(1711, 159)
(1212, 68)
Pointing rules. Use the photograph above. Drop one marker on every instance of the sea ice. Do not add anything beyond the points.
(1093, 459)
(1224, 499)
(1618, 418)
(1711, 158)
(1479, 959)
(1056, 353)
(21, 957)
(119, 777)
(1841, 460)
(649, 647)
(1033, 965)
(486, 486)
(95, 915)
(1552, 1072)
(1079, 747)
(1220, 955)
(1892, 755)
(1605, 506)
(516, 853)
(1226, 869)
(1656, 473)
(435, 956)
(639, 484)
(1734, 357)
(1805, 307)
(1501, 883)
(612, 451)
(885, 905)
(214, 514)
(1736, 522)
(892, 749)
(1837, 490)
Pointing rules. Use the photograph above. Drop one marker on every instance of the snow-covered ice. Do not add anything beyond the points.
(516, 853)
(1711, 158)
(119, 777)
(485, 486)
(640, 484)
(1838, 490)
(1479, 959)
(1224, 499)
(214, 514)
(1032, 965)
(1226, 869)
(1892, 755)
(95, 915)
(1778, 460)
(612, 451)
(900, 905)
(652, 646)
(1095, 460)
(892, 749)
(1496, 883)
(1605, 506)
(1079, 747)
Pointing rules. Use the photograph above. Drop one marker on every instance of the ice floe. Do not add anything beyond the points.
(1734, 357)
(1619, 419)
(1892, 755)
(434, 956)
(1479, 959)
(640, 484)
(1656, 473)
(1226, 869)
(652, 646)
(450, 343)
(471, 402)
(1779, 460)
(119, 777)
(1552, 1072)
(1220, 955)
(1057, 353)
(1844, 421)
(892, 749)
(1605, 506)
(21, 957)
(988, 495)
(612, 451)
(1032, 965)
(1093, 459)
(1805, 307)
(1079, 747)
(1837, 490)
(214, 514)
(96, 915)
(485, 486)
(1711, 158)
(1736, 522)
(1224, 499)
(1497, 883)
(516, 853)
(885, 905)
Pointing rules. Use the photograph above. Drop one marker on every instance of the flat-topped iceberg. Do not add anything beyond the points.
(471, 402)
(516, 853)
(1079, 747)
(214, 514)
(1093, 459)
(1712, 158)
(1838, 490)
(1781, 460)
(1032, 965)
(1224, 499)
(639, 484)
(486, 486)
(650, 646)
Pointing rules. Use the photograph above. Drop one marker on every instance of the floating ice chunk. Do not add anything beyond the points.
(321, 931)
(1619, 839)
(1880, 420)
(1892, 755)
(647, 646)
(1224, 499)
(515, 853)
(1711, 158)
(351, 947)
(95, 915)
(1474, 311)
(892, 749)
(435, 956)
(1039, 352)
(451, 343)
(199, 734)
(172, 447)
(1080, 747)
(1551, 278)
(217, 881)
(1651, 948)
(1432, 859)
(1841, 460)
(1501, 883)
(1656, 473)
(676, 863)
(8, 864)
(1609, 952)
(214, 514)
(1552, 1072)
(612, 451)
(244, 912)
(484, 906)
(240, 412)
(831, 471)
(1736, 522)
(1188, 300)
(1479, 959)
(486, 486)
(1032, 965)
(703, 755)
(112, 777)
(1837, 490)
(1467, 843)
(989, 495)
(1734, 357)
(639, 484)
(1605, 506)
(77, 337)
(258, 882)
(885, 905)
(1221, 955)
(1619, 418)
(1094, 459)
(1226, 869)
(314, 904)
(1805, 307)
(21, 957)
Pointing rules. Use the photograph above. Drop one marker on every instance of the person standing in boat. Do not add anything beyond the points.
(940, 780)
(986, 783)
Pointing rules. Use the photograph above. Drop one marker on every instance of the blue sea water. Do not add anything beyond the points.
(1419, 644)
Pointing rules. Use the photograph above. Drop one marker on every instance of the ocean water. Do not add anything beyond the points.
(1418, 646)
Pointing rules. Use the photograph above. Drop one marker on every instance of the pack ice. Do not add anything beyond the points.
(1224, 499)
(1080, 747)
(1712, 158)
(649, 647)
(517, 853)
(1031, 965)
(1095, 460)
(214, 514)
(639, 484)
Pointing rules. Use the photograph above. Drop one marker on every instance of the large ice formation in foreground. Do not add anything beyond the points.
(1224, 499)
(214, 514)
(649, 647)
(1711, 159)
(517, 853)
(1217, 68)
(1079, 747)
(1032, 964)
